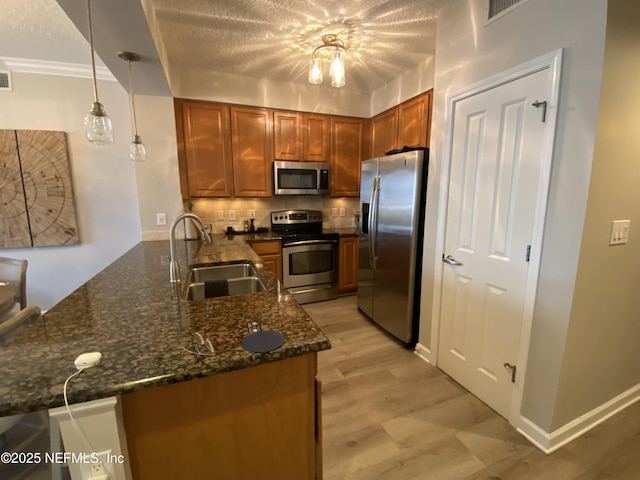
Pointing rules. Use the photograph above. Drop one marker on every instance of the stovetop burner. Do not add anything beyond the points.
(300, 225)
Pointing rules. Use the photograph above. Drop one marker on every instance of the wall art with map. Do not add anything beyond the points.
(37, 207)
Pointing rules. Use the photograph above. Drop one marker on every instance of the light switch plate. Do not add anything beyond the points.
(220, 214)
(342, 212)
(619, 232)
(334, 212)
(232, 214)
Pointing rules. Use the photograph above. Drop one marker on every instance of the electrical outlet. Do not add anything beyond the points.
(220, 214)
(99, 467)
(161, 218)
(342, 212)
(232, 214)
(334, 212)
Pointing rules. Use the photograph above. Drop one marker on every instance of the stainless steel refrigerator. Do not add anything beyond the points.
(392, 203)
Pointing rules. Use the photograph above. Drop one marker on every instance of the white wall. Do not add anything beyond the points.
(467, 52)
(601, 354)
(226, 88)
(411, 83)
(103, 179)
(158, 178)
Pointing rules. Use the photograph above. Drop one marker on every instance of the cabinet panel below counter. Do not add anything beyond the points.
(271, 253)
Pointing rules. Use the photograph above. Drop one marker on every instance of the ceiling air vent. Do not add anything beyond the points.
(496, 7)
(5, 81)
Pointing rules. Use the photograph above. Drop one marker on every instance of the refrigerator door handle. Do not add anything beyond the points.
(372, 208)
(375, 205)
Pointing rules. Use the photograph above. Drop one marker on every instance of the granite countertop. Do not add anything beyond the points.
(347, 231)
(129, 314)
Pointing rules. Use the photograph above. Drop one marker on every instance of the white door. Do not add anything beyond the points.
(496, 161)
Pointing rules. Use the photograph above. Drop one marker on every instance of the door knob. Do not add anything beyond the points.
(451, 261)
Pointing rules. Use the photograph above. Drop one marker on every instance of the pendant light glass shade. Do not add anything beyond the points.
(315, 71)
(137, 152)
(337, 69)
(98, 128)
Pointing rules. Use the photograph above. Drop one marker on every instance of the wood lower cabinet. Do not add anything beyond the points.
(252, 145)
(256, 422)
(271, 253)
(204, 149)
(347, 135)
(316, 137)
(348, 265)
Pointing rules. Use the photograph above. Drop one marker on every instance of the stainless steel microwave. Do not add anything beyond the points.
(300, 178)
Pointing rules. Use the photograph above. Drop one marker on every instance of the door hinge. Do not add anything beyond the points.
(538, 104)
(528, 254)
(508, 366)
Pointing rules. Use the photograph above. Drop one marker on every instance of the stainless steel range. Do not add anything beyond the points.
(309, 255)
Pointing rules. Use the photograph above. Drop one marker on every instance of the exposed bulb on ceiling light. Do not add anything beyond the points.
(337, 69)
(315, 71)
(137, 152)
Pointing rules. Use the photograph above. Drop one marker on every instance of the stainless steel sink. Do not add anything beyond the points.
(209, 273)
(211, 281)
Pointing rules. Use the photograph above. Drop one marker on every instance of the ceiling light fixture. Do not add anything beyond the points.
(98, 128)
(336, 52)
(137, 152)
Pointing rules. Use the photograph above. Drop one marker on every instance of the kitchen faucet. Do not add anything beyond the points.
(174, 272)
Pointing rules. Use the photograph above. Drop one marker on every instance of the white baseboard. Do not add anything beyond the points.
(424, 353)
(550, 442)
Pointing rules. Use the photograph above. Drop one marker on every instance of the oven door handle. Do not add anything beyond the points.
(307, 242)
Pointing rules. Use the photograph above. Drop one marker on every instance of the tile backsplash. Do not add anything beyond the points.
(215, 211)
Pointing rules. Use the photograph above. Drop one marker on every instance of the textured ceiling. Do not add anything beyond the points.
(255, 38)
(274, 39)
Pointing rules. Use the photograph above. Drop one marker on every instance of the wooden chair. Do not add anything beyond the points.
(14, 271)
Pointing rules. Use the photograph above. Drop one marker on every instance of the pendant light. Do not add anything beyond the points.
(98, 128)
(337, 50)
(137, 152)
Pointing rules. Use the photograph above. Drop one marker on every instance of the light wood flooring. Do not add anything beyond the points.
(387, 414)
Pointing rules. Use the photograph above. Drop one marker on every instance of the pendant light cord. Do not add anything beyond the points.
(93, 59)
(133, 102)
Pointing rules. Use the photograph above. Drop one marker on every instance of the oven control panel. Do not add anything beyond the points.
(296, 217)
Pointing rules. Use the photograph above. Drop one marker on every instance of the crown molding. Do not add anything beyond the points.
(45, 67)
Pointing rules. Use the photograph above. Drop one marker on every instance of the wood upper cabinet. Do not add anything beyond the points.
(406, 124)
(384, 132)
(414, 121)
(287, 144)
(316, 137)
(347, 135)
(252, 144)
(204, 149)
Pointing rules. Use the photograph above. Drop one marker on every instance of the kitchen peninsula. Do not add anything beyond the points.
(234, 413)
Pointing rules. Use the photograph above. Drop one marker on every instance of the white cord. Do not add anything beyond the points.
(73, 420)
